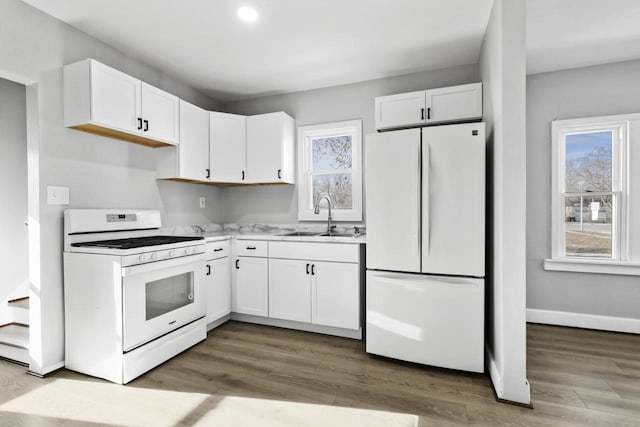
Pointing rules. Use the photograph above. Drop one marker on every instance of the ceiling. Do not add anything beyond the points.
(295, 45)
(306, 44)
(564, 34)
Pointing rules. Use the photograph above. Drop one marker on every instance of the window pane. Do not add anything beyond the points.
(588, 222)
(338, 186)
(332, 153)
(588, 157)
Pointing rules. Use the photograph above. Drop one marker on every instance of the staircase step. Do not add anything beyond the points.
(15, 335)
(20, 310)
(19, 302)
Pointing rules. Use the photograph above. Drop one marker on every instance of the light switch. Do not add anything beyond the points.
(203, 202)
(57, 195)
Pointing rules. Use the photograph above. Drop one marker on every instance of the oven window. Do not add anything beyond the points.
(168, 294)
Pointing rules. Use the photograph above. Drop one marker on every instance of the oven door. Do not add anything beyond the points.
(160, 297)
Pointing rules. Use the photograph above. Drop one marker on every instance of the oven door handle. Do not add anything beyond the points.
(158, 265)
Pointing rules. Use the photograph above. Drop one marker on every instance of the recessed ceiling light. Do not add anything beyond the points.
(247, 14)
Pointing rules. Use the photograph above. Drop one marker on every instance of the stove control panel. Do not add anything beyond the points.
(162, 255)
(130, 217)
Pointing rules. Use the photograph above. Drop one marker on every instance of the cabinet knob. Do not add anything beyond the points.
(139, 123)
(422, 114)
(237, 264)
(208, 173)
(313, 271)
(307, 268)
(243, 175)
(146, 125)
(208, 270)
(279, 173)
(429, 113)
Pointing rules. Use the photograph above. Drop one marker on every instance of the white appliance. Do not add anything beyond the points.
(426, 245)
(133, 299)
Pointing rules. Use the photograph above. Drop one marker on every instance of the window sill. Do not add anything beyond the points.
(592, 266)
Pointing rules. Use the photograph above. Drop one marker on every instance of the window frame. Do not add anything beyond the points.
(305, 170)
(626, 236)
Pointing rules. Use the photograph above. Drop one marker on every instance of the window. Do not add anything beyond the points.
(330, 163)
(592, 202)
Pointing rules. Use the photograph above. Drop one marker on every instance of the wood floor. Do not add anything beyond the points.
(578, 378)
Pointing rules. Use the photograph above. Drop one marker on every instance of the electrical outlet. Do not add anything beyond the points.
(57, 195)
(203, 202)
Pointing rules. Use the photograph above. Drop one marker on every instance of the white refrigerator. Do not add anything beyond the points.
(425, 205)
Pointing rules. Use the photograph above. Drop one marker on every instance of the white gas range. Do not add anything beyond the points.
(133, 298)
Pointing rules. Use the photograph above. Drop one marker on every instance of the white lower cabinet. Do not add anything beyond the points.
(317, 283)
(251, 287)
(313, 283)
(322, 293)
(218, 288)
(290, 290)
(335, 294)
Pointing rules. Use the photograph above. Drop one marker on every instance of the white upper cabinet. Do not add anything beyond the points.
(455, 103)
(433, 106)
(270, 148)
(114, 96)
(105, 101)
(227, 153)
(189, 160)
(160, 114)
(404, 109)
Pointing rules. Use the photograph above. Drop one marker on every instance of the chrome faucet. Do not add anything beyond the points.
(316, 210)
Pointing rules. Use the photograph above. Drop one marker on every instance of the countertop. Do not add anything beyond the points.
(214, 236)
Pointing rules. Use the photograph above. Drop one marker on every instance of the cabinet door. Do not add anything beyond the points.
(115, 98)
(265, 134)
(227, 147)
(404, 109)
(218, 289)
(290, 290)
(194, 142)
(251, 290)
(335, 294)
(455, 103)
(160, 114)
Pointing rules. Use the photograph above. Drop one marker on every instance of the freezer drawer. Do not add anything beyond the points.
(432, 320)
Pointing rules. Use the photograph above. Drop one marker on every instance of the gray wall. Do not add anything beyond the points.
(100, 172)
(582, 92)
(279, 204)
(14, 274)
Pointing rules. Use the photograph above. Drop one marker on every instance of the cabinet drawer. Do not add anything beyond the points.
(338, 252)
(217, 250)
(256, 248)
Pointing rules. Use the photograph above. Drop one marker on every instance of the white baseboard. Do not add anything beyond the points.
(581, 320)
(494, 373)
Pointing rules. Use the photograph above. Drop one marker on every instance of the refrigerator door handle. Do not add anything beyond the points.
(426, 195)
(420, 172)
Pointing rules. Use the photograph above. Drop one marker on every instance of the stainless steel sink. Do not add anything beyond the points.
(300, 234)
